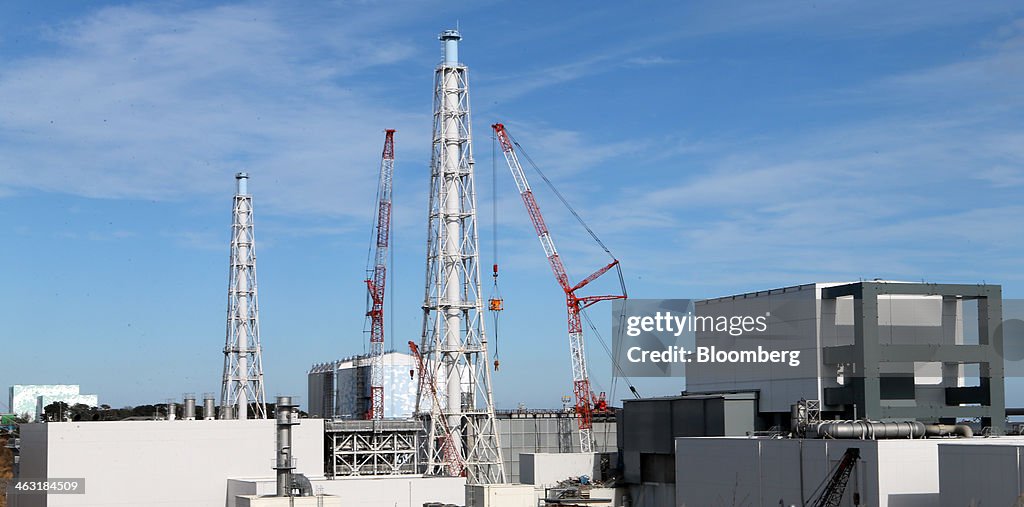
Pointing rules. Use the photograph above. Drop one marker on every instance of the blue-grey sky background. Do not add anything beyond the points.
(716, 147)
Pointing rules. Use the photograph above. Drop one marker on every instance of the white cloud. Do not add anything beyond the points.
(142, 103)
(651, 61)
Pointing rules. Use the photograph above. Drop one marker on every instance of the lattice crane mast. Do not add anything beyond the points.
(586, 402)
(378, 277)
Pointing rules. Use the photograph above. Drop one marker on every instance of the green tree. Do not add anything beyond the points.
(57, 411)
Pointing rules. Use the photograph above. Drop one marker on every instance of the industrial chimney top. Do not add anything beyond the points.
(450, 41)
(242, 183)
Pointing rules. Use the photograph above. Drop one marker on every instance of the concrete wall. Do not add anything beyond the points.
(163, 463)
(500, 495)
(548, 469)
(371, 492)
(547, 433)
(981, 475)
(765, 472)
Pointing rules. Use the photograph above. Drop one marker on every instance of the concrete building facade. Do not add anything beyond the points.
(131, 463)
(877, 350)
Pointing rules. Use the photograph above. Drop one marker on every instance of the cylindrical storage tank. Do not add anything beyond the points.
(227, 412)
(209, 407)
(188, 412)
(171, 409)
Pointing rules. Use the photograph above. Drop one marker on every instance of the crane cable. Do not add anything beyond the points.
(618, 267)
(495, 303)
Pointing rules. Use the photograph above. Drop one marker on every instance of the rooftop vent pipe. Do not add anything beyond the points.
(172, 407)
(189, 407)
(284, 467)
(209, 408)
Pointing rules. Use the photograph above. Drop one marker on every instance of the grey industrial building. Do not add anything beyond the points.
(877, 351)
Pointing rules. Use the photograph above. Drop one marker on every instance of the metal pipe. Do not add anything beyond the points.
(870, 430)
(945, 430)
(188, 411)
(171, 409)
(284, 466)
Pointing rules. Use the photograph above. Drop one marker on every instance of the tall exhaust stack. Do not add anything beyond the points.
(284, 466)
(242, 383)
(454, 342)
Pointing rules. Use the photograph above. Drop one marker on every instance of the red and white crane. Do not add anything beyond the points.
(378, 277)
(586, 402)
(454, 465)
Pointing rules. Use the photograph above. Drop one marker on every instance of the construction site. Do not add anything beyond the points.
(900, 398)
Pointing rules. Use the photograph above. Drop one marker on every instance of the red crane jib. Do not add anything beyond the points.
(377, 281)
(587, 403)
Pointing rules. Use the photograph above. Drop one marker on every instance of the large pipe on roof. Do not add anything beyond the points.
(870, 430)
(945, 430)
(873, 430)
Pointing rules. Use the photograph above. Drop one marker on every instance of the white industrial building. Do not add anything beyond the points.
(217, 463)
(341, 389)
(196, 464)
(30, 400)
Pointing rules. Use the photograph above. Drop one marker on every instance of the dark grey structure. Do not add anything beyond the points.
(649, 427)
(875, 388)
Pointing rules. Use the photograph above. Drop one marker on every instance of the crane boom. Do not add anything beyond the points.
(832, 495)
(378, 278)
(453, 461)
(585, 399)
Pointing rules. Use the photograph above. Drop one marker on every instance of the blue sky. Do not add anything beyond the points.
(717, 147)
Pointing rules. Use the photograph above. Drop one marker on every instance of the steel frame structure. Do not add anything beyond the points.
(378, 277)
(454, 342)
(242, 381)
(372, 448)
(585, 399)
